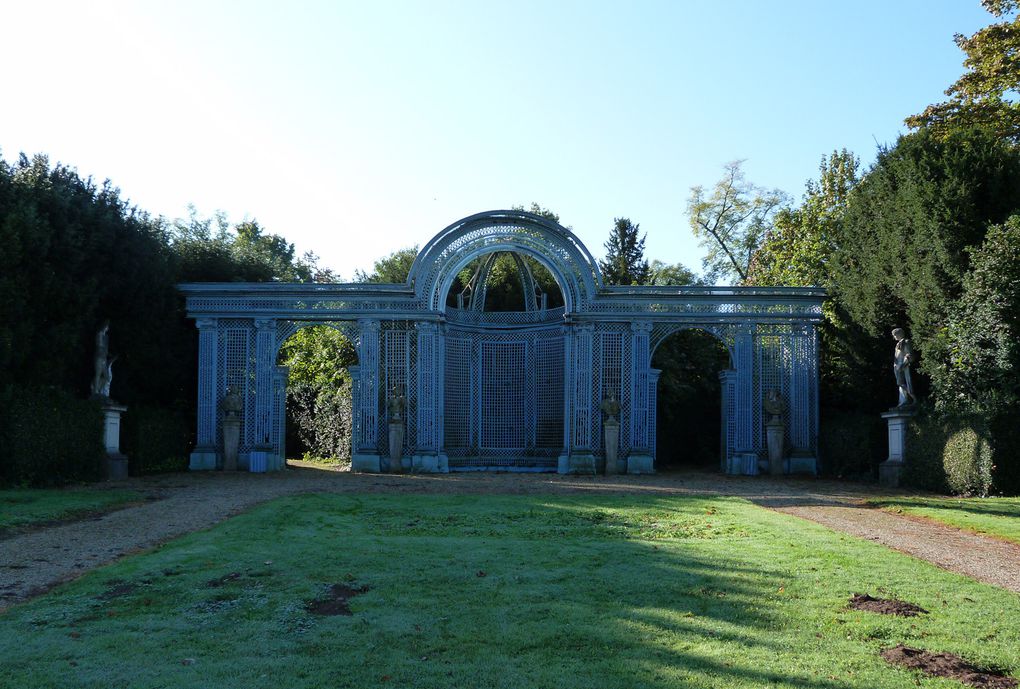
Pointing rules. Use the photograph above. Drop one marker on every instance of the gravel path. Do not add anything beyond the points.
(32, 563)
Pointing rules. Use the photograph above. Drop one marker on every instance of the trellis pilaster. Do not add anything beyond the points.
(642, 406)
(205, 454)
(743, 361)
(430, 396)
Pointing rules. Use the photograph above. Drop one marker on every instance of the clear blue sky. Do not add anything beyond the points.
(358, 128)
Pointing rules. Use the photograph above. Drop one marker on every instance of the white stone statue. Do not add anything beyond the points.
(903, 358)
(103, 363)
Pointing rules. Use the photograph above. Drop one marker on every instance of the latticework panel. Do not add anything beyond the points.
(397, 343)
(773, 358)
(236, 362)
(503, 398)
(458, 402)
(549, 391)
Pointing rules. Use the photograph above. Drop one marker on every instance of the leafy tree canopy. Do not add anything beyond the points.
(392, 269)
(731, 221)
(797, 247)
(986, 95)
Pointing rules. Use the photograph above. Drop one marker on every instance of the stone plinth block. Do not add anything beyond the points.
(116, 464)
(396, 446)
(774, 433)
(898, 420)
(430, 464)
(231, 442)
(611, 433)
(367, 462)
(638, 463)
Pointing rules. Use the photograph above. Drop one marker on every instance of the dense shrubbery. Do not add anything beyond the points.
(74, 254)
(851, 443)
(156, 439)
(949, 453)
(49, 437)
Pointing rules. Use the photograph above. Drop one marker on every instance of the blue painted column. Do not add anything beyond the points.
(203, 457)
(641, 459)
(365, 456)
(728, 426)
(431, 377)
(265, 369)
(744, 398)
(579, 457)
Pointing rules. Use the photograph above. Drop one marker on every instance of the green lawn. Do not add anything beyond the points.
(23, 507)
(995, 516)
(503, 591)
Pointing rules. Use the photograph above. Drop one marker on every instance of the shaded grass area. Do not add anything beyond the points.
(503, 591)
(26, 507)
(993, 516)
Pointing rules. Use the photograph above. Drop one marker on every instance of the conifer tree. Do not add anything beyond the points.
(625, 262)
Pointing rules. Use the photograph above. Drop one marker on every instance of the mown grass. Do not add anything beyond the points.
(24, 507)
(993, 516)
(503, 591)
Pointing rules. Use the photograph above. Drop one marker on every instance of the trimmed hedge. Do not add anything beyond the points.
(949, 454)
(155, 440)
(851, 444)
(48, 437)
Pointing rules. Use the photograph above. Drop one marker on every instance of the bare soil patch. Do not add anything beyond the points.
(116, 589)
(336, 601)
(947, 665)
(885, 606)
(220, 581)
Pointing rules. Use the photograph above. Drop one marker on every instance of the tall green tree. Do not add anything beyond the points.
(625, 262)
(796, 249)
(731, 222)
(986, 94)
(901, 251)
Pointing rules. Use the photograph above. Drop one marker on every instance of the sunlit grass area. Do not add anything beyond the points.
(25, 507)
(502, 591)
(994, 516)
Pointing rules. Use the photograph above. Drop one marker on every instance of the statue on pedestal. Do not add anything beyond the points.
(903, 358)
(775, 430)
(103, 364)
(611, 432)
(396, 405)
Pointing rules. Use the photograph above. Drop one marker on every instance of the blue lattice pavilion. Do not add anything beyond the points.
(507, 390)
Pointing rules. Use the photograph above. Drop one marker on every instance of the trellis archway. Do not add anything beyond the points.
(515, 390)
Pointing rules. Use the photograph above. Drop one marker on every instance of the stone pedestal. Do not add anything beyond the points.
(611, 435)
(774, 433)
(898, 420)
(396, 445)
(116, 464)
(231, 441)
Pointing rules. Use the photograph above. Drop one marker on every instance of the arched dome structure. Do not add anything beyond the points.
(508, 390)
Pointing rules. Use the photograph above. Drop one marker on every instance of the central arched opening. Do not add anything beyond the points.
(504, 365)
(689, 409)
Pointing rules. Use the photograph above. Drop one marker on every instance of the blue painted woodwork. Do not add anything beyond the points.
(507, 390)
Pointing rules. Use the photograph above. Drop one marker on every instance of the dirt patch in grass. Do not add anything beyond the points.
(947, 665)
(117, 588)
(336, 600)
(885, 606)
(220, 581)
